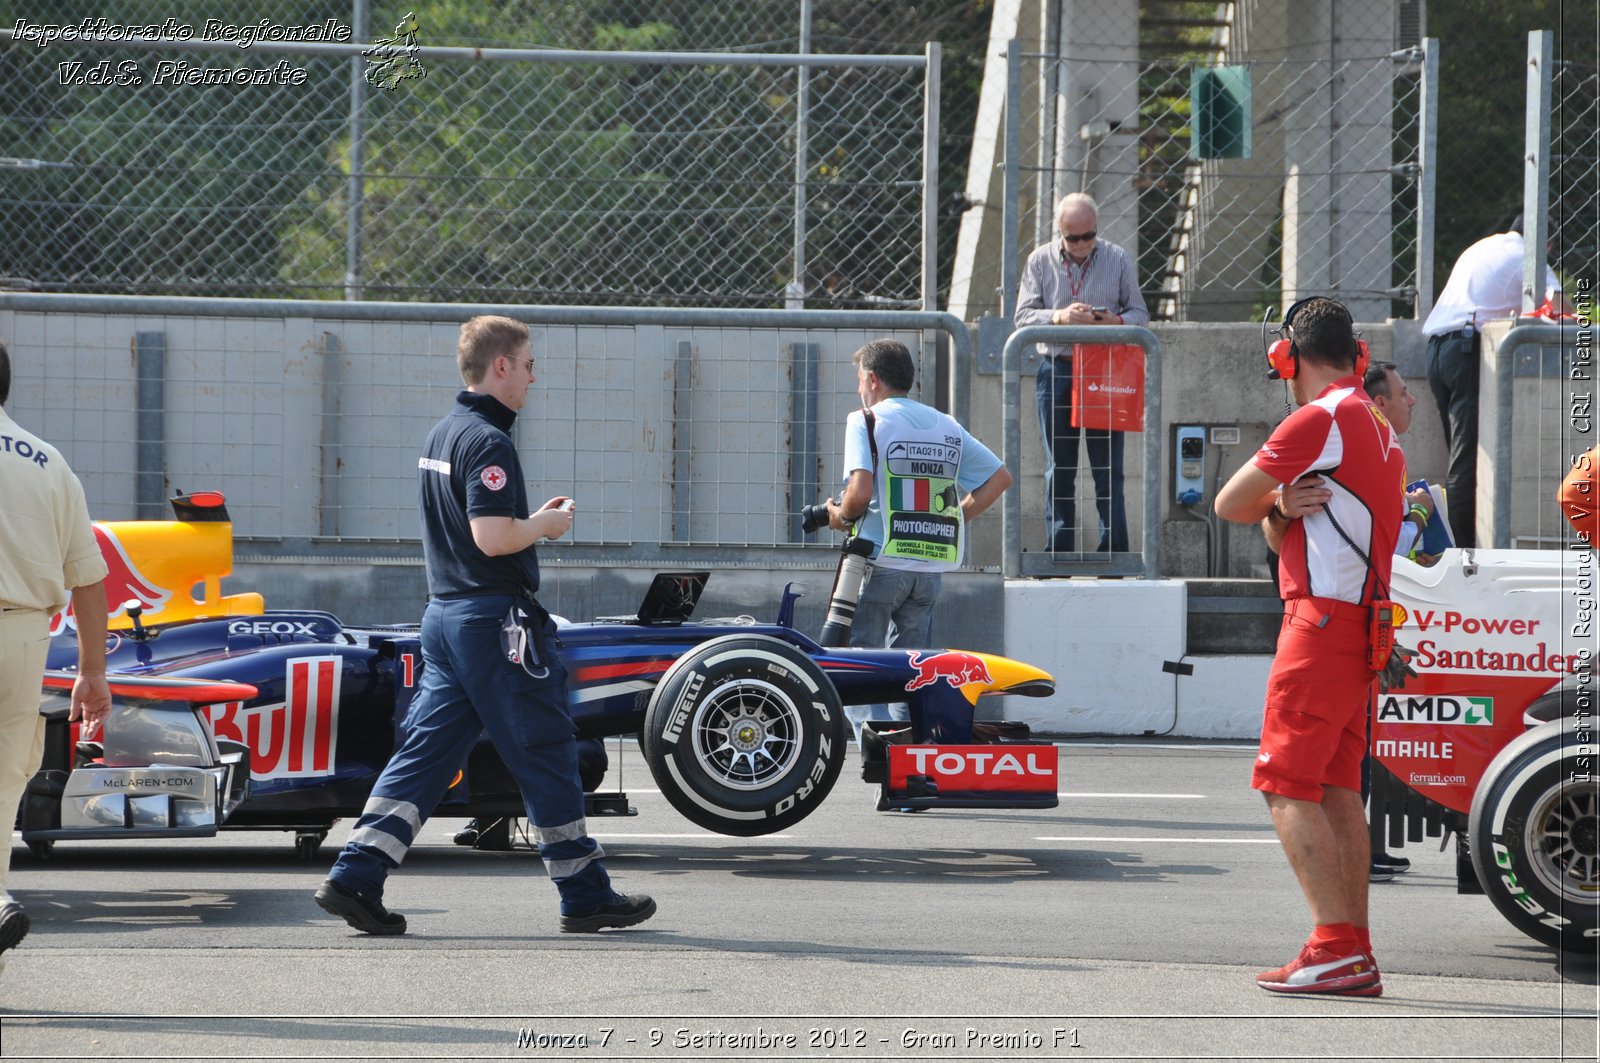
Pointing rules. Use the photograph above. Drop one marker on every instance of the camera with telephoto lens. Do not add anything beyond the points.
(813, 517)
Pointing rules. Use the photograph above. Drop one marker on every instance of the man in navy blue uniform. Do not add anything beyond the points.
(478, 540)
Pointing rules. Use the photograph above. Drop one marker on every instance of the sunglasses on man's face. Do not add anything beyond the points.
(1079, 238)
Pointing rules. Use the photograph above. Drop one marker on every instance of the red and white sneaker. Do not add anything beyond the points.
(1319, 970)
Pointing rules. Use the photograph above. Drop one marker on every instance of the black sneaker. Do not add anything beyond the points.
(13, 925)
(1398, 865)
(620, 911)
(359, 910)
(1379, 872)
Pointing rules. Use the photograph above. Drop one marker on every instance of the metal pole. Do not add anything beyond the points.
(355, 194)
(1010, 218)
(513, 55)
(1536, 175)
(1044, 183)
(795, 296)
(930, 179)
(533, 314)
(958, 373)
(1428, 178)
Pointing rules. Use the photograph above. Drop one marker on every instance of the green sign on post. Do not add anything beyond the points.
(1219, 112)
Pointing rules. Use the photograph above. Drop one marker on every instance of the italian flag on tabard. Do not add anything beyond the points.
(910, 493)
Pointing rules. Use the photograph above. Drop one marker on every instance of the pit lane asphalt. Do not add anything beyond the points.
(1135, 915)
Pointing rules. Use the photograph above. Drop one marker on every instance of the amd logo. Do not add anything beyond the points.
(1461, 711)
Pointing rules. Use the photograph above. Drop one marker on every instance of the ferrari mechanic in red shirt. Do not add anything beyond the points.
(1336, 545)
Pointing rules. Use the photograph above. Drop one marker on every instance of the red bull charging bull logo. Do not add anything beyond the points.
(124, 582)
(295, 738)
(953, 666)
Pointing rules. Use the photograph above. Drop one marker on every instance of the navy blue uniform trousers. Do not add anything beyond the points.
(1053, 396)
(469, 688)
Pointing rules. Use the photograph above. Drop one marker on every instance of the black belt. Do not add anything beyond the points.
(482, 592)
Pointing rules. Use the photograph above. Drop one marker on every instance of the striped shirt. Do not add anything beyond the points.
(1107, 279)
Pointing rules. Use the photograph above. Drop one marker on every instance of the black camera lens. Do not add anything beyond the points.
(813, 517)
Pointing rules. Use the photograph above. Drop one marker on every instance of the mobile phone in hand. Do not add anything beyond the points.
(567, 506)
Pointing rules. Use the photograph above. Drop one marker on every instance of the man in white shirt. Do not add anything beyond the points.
(914, 478)
(48, 556)
(1486, 283)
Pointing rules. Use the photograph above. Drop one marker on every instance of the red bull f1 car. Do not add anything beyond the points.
(228, 716)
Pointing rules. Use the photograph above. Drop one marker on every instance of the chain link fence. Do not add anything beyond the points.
(1482, 118)
(576, 180)
(1312, 188)
(1575, 162)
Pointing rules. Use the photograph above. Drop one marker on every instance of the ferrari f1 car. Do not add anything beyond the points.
(1494, 738)
(227, 716)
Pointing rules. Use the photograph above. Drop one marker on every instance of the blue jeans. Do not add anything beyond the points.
(468, 688)
(895, 610)
(1053, 394)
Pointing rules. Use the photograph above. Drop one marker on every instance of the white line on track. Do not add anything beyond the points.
(1197, 841)
(1060, 793)
(702, 836)
(1134, 743)
(1158, 797)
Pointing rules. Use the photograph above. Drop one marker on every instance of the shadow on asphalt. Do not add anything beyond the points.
(768, 858)
(357, 1033)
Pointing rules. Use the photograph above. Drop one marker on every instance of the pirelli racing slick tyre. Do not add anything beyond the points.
(745, 735)
(1534, 833)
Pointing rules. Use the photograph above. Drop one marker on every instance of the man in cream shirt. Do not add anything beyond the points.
(48, 554)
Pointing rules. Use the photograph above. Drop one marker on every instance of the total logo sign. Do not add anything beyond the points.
(295, 738)
(1459, 710)
(1009, 769)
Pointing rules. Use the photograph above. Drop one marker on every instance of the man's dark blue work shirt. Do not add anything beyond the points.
(469, 468)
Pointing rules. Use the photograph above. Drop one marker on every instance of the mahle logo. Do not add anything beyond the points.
(1460, 711)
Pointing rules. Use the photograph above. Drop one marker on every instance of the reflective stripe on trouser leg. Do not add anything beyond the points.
(527, 720)
(388, 826)
(553, 798)
(440, 728)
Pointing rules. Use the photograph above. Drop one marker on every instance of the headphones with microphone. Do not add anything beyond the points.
(1283, 357)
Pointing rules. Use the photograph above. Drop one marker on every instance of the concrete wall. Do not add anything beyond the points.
(248, 410)
(1117, 650)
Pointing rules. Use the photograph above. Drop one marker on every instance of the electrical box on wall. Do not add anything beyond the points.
(1188, 474)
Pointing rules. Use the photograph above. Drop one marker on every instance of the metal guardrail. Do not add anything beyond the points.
(961, 347)
(1011, 563)
(1495, 437)
(338, 443)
